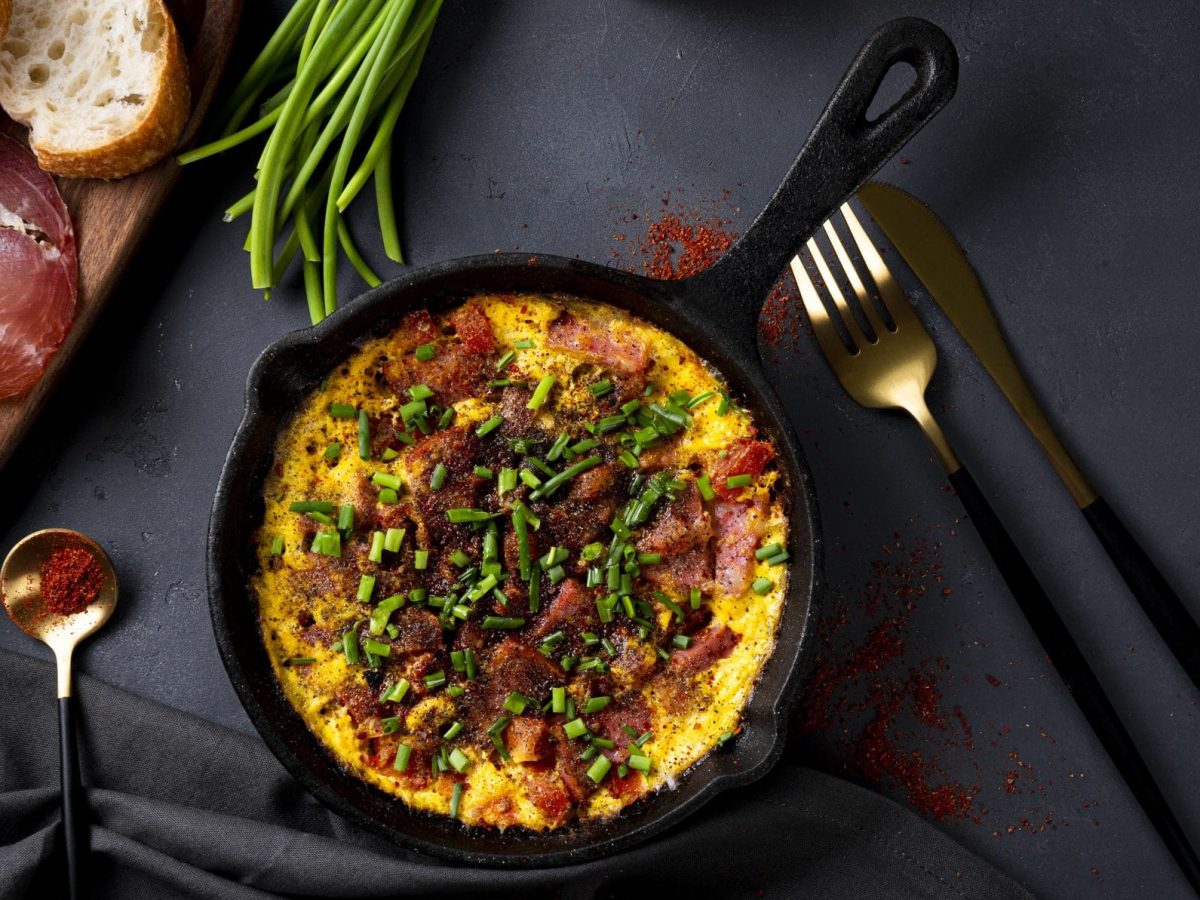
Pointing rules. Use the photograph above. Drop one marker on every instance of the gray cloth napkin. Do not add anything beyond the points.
(184, 808)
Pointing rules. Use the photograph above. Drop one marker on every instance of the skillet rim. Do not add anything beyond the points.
(654, 301)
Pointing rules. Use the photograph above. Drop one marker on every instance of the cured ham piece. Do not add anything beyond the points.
(621, 353)
(745, 456)
(740, 527)
(706, 648)
(38, 269)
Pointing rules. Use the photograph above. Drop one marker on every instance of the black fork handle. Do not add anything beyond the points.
(842, 151)
(1069, 661)
(73, 815)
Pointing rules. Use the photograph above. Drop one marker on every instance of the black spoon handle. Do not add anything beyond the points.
(72, 796)
(1161, 604)
(1067, 658)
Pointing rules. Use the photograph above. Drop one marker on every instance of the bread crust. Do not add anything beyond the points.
(5, 15)
(154, 137)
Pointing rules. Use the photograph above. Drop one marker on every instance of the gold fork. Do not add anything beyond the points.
(889, 367)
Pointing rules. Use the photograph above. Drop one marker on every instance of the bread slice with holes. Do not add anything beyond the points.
(102, 84)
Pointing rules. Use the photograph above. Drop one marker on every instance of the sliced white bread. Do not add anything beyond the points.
(102, 84)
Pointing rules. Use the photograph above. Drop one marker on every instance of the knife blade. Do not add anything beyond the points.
(936, 258)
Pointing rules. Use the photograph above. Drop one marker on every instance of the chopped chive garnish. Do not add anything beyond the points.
(420, 559)
(482, 472)
(695, 597)
(333, 451)
(460, 763)
(762, 585)
(600, 388)
(435, 680)
(535, 587)
(530, 479)
(439, 477)
(389, 496)
(320, 517)
(388, 454)
(629, 459)
(342, 411)
(541, 392)
(739, 481)
(723, 406)
(366, 587)
(507, 481)
(383, 611)
(364, 435)
(396, 692)
(503, 362)
(681, 641)
(523, 344)
(327, 543)
(704, 483)
(502, 622)
(588, 754)
(768, 551)
(391, 724)
(558, 699)
(778, 559)
(595, 704)
(386, 480)
(521, 529)
(375, 554)
(426, 352)
(575, 728)
(277, 545)
(460, 559)
(459, 515)
(456, 794)
(592, 552)
(489, 426)
(649, 559)
(453, 731)
(350, 645)
(552, 484)
(345, 520)
(300, 661)
(379, 648)
(603, 743)
(403, 754)
(639, 762)
(311, 506)
(700, 398)
(516, 702)
(392, 539)
(669, 604)
(725, 739)
(420, 392)
(599, 769)
(557, 448)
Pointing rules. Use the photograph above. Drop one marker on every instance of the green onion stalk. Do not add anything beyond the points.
(328, 89)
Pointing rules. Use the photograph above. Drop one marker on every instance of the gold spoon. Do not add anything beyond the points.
(21, 588)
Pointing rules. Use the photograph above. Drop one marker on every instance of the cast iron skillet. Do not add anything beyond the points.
(716, 314)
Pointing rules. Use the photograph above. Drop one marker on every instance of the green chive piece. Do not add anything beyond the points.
(768, 551)
(704, 483)
(762, 585)
(460, 559)
(345, 520)
(435, 680)
(388, 454)
(460, 762)
(535, 587)
(320, 517)
(453, 731)
(516, 703)
(778, 559)
(364, 435)
(378, 648)
(649, 559)
(739, 481)
(507, 481)
(426, 352)
(523, 344)
(420, 559)
(342, 411)
(541, 392)
(300, 661)
(700, 398)
(375, 554)
(386, 480)
(723, 406)
(460, 514)
(557, 448)
(503, 362)
(575, 729)
(420, 392)
(502, 622)
(599, 769)
(552, 484)
(530, 479)
(403, 754)
(456, 793)
(392, 539)
(366, 587)
(439, 477)
(695, 597)
(595, 704)
(333, 451)
(600, 388)
(383, 611)
(639, 762)
(389, 496)
(391, 724)
(350, 645)
(558, 699)
(489, 426)
(681, 641)
(277, 545)
(483, 472)
(311, 506)
(725, 739)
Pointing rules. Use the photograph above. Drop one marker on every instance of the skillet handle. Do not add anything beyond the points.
(843, 150)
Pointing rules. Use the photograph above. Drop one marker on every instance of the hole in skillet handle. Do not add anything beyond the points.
(842, 151)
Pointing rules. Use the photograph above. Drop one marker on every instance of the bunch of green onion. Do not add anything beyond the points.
(333, 73)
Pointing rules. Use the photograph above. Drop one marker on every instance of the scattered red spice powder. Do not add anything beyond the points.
(71, 580)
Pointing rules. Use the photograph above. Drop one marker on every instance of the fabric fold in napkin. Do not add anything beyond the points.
(184, 808)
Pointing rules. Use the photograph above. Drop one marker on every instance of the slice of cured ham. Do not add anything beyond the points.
(38, 269)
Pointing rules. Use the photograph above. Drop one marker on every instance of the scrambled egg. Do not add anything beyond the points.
(301, 626)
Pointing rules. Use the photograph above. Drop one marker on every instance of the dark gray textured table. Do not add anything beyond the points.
(1066, 164)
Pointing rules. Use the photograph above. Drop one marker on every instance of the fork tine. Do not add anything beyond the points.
(889, 291)
(857, 336)
(864, 298)
(818, 316)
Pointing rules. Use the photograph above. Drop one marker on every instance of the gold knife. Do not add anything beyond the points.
(940, 263)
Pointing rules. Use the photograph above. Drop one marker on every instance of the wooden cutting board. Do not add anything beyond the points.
(112, 216)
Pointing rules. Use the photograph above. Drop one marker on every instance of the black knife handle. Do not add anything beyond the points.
(73, 815)
(1067, 658)
(1161, 604)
